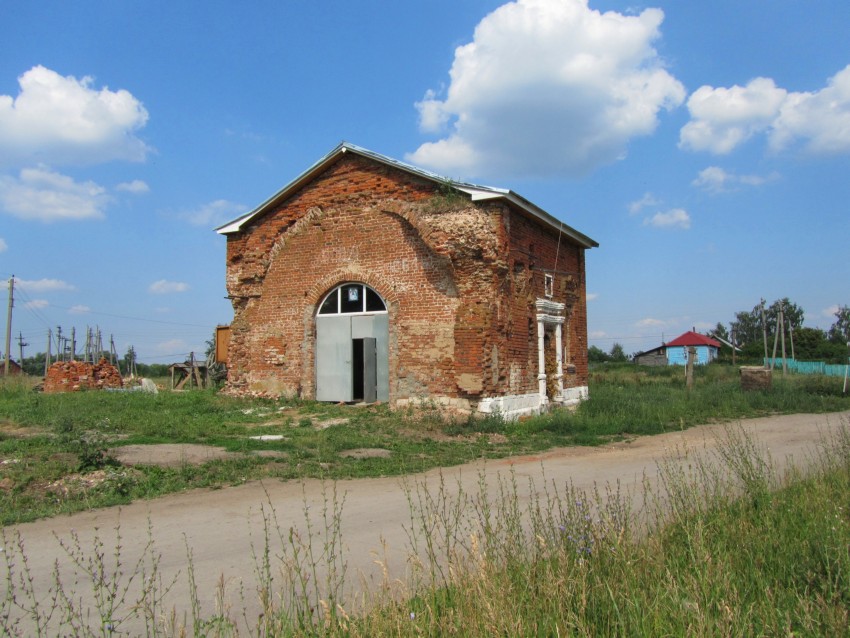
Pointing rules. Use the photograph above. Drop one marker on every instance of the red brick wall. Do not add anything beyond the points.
(536, 251)
(456, 277)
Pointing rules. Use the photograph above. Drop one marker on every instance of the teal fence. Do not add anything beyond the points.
(808, 367)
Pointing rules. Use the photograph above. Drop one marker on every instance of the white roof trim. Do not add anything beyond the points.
(476, 192)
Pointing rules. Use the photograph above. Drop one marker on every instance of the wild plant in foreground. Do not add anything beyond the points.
(299, 583)
(119, 594)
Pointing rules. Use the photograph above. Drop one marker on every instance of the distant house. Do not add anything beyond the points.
(675, 352)
(655, 357)
(14, 368)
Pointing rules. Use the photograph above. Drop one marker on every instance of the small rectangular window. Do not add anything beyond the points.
(352, 298)
(549, 285)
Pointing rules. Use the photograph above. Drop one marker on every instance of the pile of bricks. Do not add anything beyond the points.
(72, 376)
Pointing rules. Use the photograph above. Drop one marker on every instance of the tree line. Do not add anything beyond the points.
(752, 328)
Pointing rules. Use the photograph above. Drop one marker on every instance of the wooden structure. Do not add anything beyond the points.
(222, 343)
(188, 374)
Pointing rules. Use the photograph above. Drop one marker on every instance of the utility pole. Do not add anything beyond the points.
(781, 324)
(764, 332)
(73, 343)
(21, 344)
(732, 339)
(775, 344)
(60, 352)
(791, 334)
(47, 357)
(689, 366)
(9, 322)
(113, 355)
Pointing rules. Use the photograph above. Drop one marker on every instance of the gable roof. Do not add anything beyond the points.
(475, 191)
(691, 338)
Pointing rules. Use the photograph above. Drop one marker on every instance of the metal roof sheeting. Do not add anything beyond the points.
(691, 338)
(475, 191)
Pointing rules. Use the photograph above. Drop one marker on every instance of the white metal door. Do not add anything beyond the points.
(333, 359)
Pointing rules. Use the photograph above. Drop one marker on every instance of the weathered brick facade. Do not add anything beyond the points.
(460, 280)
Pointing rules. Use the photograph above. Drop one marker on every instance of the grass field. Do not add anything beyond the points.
(737, 550)
(56, 450)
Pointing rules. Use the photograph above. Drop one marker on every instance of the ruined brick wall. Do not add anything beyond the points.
(347, 225)
(72, 376)
(459, 288)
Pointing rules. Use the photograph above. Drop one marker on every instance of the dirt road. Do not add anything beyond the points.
(223, 528)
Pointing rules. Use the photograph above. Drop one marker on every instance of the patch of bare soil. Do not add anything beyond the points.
(434, 435)
(169, 454)
(366, 453)
(177, 454)
(271, 454)
(13, 429)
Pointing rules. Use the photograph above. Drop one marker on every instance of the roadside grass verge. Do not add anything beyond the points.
(723, 543)
(730, 549)
(56, 451)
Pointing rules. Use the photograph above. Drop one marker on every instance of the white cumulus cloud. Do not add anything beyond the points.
(164, 287)
(65, 120)
(43, 285)
(36, 304)
(648, 199)
(547, 87)
(674, 218)
(649, 322)
(717, 180)
(79, 309)
(135, 187)
(821, 120)
(45, 195)
(724, 118)
(214, 213)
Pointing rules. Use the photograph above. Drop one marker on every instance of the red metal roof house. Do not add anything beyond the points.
(706, 347)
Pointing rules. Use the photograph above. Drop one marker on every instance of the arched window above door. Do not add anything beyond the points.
(350, 299)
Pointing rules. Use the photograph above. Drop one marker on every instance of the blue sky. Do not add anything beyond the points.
(704, 145)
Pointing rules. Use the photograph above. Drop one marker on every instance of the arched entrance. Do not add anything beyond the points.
(352, 346)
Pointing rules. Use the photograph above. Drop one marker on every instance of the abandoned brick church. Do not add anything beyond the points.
(366, 279)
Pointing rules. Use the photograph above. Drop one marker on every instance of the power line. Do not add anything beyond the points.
(170, 323)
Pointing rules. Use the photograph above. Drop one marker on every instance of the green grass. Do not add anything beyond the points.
(723, 545)
(766, 556)
(44, 439)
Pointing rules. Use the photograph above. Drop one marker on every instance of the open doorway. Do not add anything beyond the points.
(364, 370)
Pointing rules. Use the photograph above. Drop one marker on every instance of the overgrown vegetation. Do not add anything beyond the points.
(723, 545)
(727, 548)
(56, 450)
